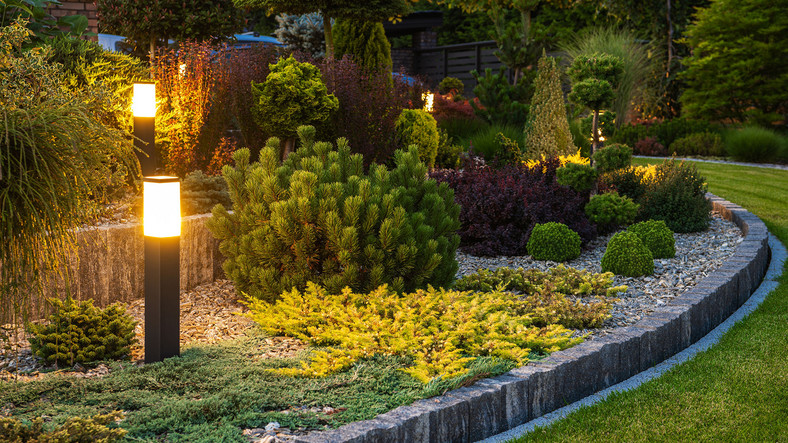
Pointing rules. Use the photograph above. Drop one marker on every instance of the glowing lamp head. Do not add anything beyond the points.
(161, 216)
(428, 98)
(143, 102)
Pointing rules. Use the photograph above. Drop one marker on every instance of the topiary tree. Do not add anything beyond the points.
(291, 95)
(319, 218)
(553, 241)
(739, 61)
(365, 41)
(547, 131)
(147, 23)
(657, 237)
(594, 80)
(417, 127)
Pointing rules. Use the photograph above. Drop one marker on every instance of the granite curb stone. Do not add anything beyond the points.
(497, 404)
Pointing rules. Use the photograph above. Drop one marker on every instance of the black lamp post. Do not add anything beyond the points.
(162, 230)
(143, 107)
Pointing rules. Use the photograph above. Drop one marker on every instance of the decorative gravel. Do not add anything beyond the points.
(697, 255)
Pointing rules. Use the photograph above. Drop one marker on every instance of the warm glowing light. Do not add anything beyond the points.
(428, 98)
(182, 70)
(143, 102)
(599, 133)
(161, 216)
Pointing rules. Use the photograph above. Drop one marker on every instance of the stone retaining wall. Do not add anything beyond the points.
(495, 405)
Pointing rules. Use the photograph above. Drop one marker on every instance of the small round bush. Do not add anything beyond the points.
(610, 210)
(657, 237)
(83, 333)
(613, 157)
(650, 146)
(553, 241)
(579, 177)
(417, 127)
(451, 84)
(753, 144)
(702, 143)
(627, 255)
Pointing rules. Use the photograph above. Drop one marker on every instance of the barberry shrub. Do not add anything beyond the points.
(500, 207)
(417, 127)
(83, 333)
(627, 255)
(553, 241)
(319, 218)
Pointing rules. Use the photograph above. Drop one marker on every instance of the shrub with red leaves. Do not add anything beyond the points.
(650, 146)
(445, 108)
(499, 207)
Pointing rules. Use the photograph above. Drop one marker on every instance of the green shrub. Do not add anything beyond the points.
(462, 129)
(657, 237)
(665, 132)
(451, 85)
(502, 103)
(627, 255)
(448, 152)
(629, 182)
(579, 137)
(487, 144)
(200, 193)
(547, 130)
(82, 333)
(677, 195)
(753, 144)
(319, 218)
(365, 41)
(610, 210)
(418, 127)
(579, 177)
(293, 94)
(553, 241)
(612, 157)
(97, 429)
(700, 143)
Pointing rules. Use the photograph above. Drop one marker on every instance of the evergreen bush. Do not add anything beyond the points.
(753, 144)
(319, 218)
(700, 143)
(547, 131)
(612, 157)
(677, 195)
(302, 33)
(630, 182)
(418, 127)
(553, 241)
(451, 85)
(200, 193)
(657, 237)
(365, 42)
(82, 333)
(101, 428)
(610, 210)
(498, 102)
(579, 177)
(627, 255)
(500, 207)
(448, 152)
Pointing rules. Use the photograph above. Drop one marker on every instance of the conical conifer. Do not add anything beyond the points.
(547, 130)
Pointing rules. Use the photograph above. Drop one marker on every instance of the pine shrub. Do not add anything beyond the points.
(657, 237)
(627, 255)
(365, 42)
(610, 210)
(677, 195)
(547, 131)
(612, 157)
(82, 333)
(319, 218)
(200, 193)
(500, 207)
(99, 428)
(417, 127)
(700, 143)
(553, 241)
(579, 177)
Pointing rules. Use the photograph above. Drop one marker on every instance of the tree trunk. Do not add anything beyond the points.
(152, 52)
(289, 147)
(329, 37)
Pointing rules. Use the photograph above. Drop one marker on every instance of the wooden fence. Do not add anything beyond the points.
(457, 61)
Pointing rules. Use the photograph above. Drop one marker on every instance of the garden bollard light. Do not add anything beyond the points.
(143, 106)
(162, 230)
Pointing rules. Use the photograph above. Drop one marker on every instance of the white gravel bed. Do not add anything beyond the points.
(697, 255)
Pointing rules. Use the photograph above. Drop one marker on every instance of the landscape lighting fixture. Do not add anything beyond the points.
(428, 98)
(161, 220)
(143, 106)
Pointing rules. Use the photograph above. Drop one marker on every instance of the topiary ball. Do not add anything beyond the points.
(657, 237)
(553, 241)
(627, 255)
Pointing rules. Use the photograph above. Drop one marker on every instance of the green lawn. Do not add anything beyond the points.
(737, 390)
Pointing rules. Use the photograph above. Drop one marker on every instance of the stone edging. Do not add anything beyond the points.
(494, 405)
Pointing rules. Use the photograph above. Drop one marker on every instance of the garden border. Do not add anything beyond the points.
(497, 404)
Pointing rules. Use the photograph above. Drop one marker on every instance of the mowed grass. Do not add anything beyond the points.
(737, 390)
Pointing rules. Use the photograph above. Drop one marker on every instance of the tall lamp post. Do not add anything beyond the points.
(162, 230)
(143, 106)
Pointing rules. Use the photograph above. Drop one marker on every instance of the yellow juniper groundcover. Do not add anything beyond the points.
(441, 329)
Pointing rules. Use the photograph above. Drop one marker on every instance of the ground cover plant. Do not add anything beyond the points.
(738, 385)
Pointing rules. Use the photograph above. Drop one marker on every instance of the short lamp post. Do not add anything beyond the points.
(143, 106)
(162, 230)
